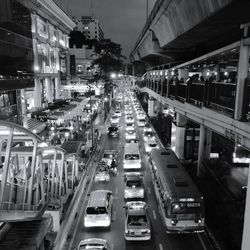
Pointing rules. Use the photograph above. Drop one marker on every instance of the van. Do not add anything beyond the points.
(98, 211)
(132, 157)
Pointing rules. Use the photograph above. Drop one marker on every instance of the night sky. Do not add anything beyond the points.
(120, 20)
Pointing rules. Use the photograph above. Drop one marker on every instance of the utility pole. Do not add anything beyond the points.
(146, 10)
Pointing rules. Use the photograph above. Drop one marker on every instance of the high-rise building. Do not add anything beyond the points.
(90, 27)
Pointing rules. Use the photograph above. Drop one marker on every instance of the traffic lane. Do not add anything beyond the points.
(115, 234)
(167, 241)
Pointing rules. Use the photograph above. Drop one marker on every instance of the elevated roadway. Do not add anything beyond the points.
(178, 30)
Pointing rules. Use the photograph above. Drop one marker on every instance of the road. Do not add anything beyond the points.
(115, 235)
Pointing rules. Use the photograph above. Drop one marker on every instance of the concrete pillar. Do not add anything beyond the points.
(151, 109)
(57, 88)
(24, 108)
(181, 122)
(246, 227)
(183, 73)
(38, 93)
(158, 107)
(48, 86)
(241, 75)
(217, 75)
(204, 147)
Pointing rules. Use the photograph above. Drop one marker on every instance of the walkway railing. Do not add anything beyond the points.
(214, 95)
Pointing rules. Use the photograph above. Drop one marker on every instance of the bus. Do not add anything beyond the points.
(180, 203)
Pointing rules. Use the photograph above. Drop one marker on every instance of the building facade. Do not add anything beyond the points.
(16, 58)
(90, 27)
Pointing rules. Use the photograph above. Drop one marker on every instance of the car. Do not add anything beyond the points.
(141, 122)
(98, 212)
(102, 172)
(109, 155)
(113, 131)
(147, 127)
(128, 111)
(114, 119)
(137, 222)
(118, 113)
(130, 135)
(141, 115)
(150, 144)
(94, 244)
(148, 135)
(129, 119)
(130, 126)
(133, 186)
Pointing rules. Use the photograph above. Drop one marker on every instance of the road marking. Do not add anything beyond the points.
(202, 242)
(111, 246)
(149, 191)
(117, 173)
(114, 215)
(160, 246)
(154, 214)
(116, 190)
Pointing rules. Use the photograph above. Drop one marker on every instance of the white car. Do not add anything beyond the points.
(114, 119)
(129, 119)
(118, 113)
(94, 244)
(147, 128)
(134, 187)
(150, 144)
(130, 135)
(137, 222)
(148, 135)
(102, 172)
(141, 122)
(130, 126)
(128, 111)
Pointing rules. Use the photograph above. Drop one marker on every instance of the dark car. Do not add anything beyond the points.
(113, 131)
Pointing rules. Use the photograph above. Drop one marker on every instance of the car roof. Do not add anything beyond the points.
(133, 178)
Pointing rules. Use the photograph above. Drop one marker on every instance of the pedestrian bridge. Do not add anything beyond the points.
(34, 176)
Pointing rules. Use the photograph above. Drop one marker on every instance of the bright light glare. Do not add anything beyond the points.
(113, 75)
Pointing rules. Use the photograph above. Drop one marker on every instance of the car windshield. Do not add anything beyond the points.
(133, 184)
(114, 117)
(137, 220)
(148, 134)
(141, 120)
(131, 157)
(152, 145)
(110, 156)
(96, 210)
(111, 129)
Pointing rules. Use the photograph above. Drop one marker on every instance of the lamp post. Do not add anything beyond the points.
(91, 118)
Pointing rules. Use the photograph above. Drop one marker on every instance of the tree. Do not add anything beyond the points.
(109, 56)
(77, 38)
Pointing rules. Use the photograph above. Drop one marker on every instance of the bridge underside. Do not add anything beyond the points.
(185, 31)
